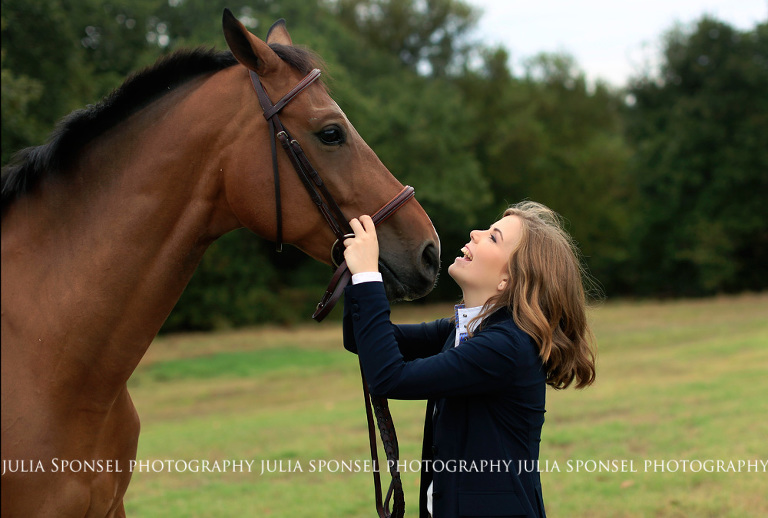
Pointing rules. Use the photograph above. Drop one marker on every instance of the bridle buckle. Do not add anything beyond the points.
(337, 250)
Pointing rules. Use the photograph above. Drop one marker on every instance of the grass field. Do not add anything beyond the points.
(677, 381)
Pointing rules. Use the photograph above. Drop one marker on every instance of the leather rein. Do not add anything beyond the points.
(339, 224)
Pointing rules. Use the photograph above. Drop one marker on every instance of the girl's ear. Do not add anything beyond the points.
(503, 284)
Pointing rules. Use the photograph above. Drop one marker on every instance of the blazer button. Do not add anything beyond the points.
(434, 449)
(356, 317)
(355, 307)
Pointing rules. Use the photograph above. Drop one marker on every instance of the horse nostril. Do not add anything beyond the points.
(430, 260)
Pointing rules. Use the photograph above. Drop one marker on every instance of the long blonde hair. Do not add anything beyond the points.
(546, 296)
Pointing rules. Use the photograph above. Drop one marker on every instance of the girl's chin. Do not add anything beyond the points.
(458, 263)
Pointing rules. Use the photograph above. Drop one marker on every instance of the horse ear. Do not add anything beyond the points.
(278, 33)
(247, 48)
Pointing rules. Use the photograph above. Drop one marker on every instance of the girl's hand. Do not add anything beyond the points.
(362, 251)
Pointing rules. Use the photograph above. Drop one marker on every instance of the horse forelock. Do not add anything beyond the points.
(302, 59)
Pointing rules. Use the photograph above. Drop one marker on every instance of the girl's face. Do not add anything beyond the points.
(482, 270)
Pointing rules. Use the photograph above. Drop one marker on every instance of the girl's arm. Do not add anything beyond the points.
(485, 363)
(413, 340)
(488, 362)
(362, 256)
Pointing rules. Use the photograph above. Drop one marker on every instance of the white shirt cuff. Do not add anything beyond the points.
(367, 277)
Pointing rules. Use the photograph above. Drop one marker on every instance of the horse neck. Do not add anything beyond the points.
(104, 251)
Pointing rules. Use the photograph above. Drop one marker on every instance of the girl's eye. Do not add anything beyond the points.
(493, 238)
(332, 136)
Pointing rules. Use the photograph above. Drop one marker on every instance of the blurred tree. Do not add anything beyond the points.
(425, 140)
(34, 50)
(20, 126)
(70, 53)
(699, 130)
(549, 138)
(427, 36)
(451, 118)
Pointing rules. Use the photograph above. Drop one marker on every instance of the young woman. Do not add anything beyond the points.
(522, 326)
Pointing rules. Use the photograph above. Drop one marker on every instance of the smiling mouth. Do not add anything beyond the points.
(467, 255)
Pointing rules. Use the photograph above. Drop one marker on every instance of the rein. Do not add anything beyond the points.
(340, 226)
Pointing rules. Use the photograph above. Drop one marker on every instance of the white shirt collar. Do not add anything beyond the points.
(464, 324)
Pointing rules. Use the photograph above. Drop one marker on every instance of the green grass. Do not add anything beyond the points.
(242, 364)
(682, 380)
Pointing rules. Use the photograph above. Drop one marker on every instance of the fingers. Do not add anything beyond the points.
(357, 226)
(362, 251)
(361, 226)
(368, 225)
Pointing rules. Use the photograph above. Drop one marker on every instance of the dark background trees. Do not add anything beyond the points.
(662, 183)
(699, 131)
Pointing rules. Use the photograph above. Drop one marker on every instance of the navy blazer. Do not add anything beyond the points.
(485, 403)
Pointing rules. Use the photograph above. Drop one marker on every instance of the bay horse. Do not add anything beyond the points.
(104, 225)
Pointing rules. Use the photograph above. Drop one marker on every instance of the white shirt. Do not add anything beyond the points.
(463, 318)
(366, 277)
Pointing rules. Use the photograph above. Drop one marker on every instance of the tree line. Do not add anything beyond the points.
(663, 182)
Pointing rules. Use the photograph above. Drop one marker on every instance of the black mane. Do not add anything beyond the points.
(81, 126)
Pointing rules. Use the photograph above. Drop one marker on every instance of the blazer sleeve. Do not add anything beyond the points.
(484, 364)
(413, 340)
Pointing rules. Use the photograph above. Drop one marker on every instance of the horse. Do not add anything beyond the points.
(105, 223)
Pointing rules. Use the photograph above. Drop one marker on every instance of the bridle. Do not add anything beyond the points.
(338, 223)
(316, 189)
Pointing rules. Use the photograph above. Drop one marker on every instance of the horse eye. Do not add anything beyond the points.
(332, 136)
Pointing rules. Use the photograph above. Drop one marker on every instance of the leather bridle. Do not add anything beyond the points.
(316, 189)
(339, 224)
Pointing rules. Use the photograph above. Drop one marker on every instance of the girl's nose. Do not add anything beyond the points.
(472, 235)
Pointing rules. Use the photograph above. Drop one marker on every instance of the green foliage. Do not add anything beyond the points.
(549, 138)
(60, 55)
(662, 194)
(699, 131)
(424, 36)
(18, 92)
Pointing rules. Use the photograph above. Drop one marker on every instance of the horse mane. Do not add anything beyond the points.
(75, 130)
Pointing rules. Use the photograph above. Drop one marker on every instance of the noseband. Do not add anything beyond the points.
(340, 226)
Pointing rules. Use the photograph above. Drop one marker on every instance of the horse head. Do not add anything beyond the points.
(354, 175)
